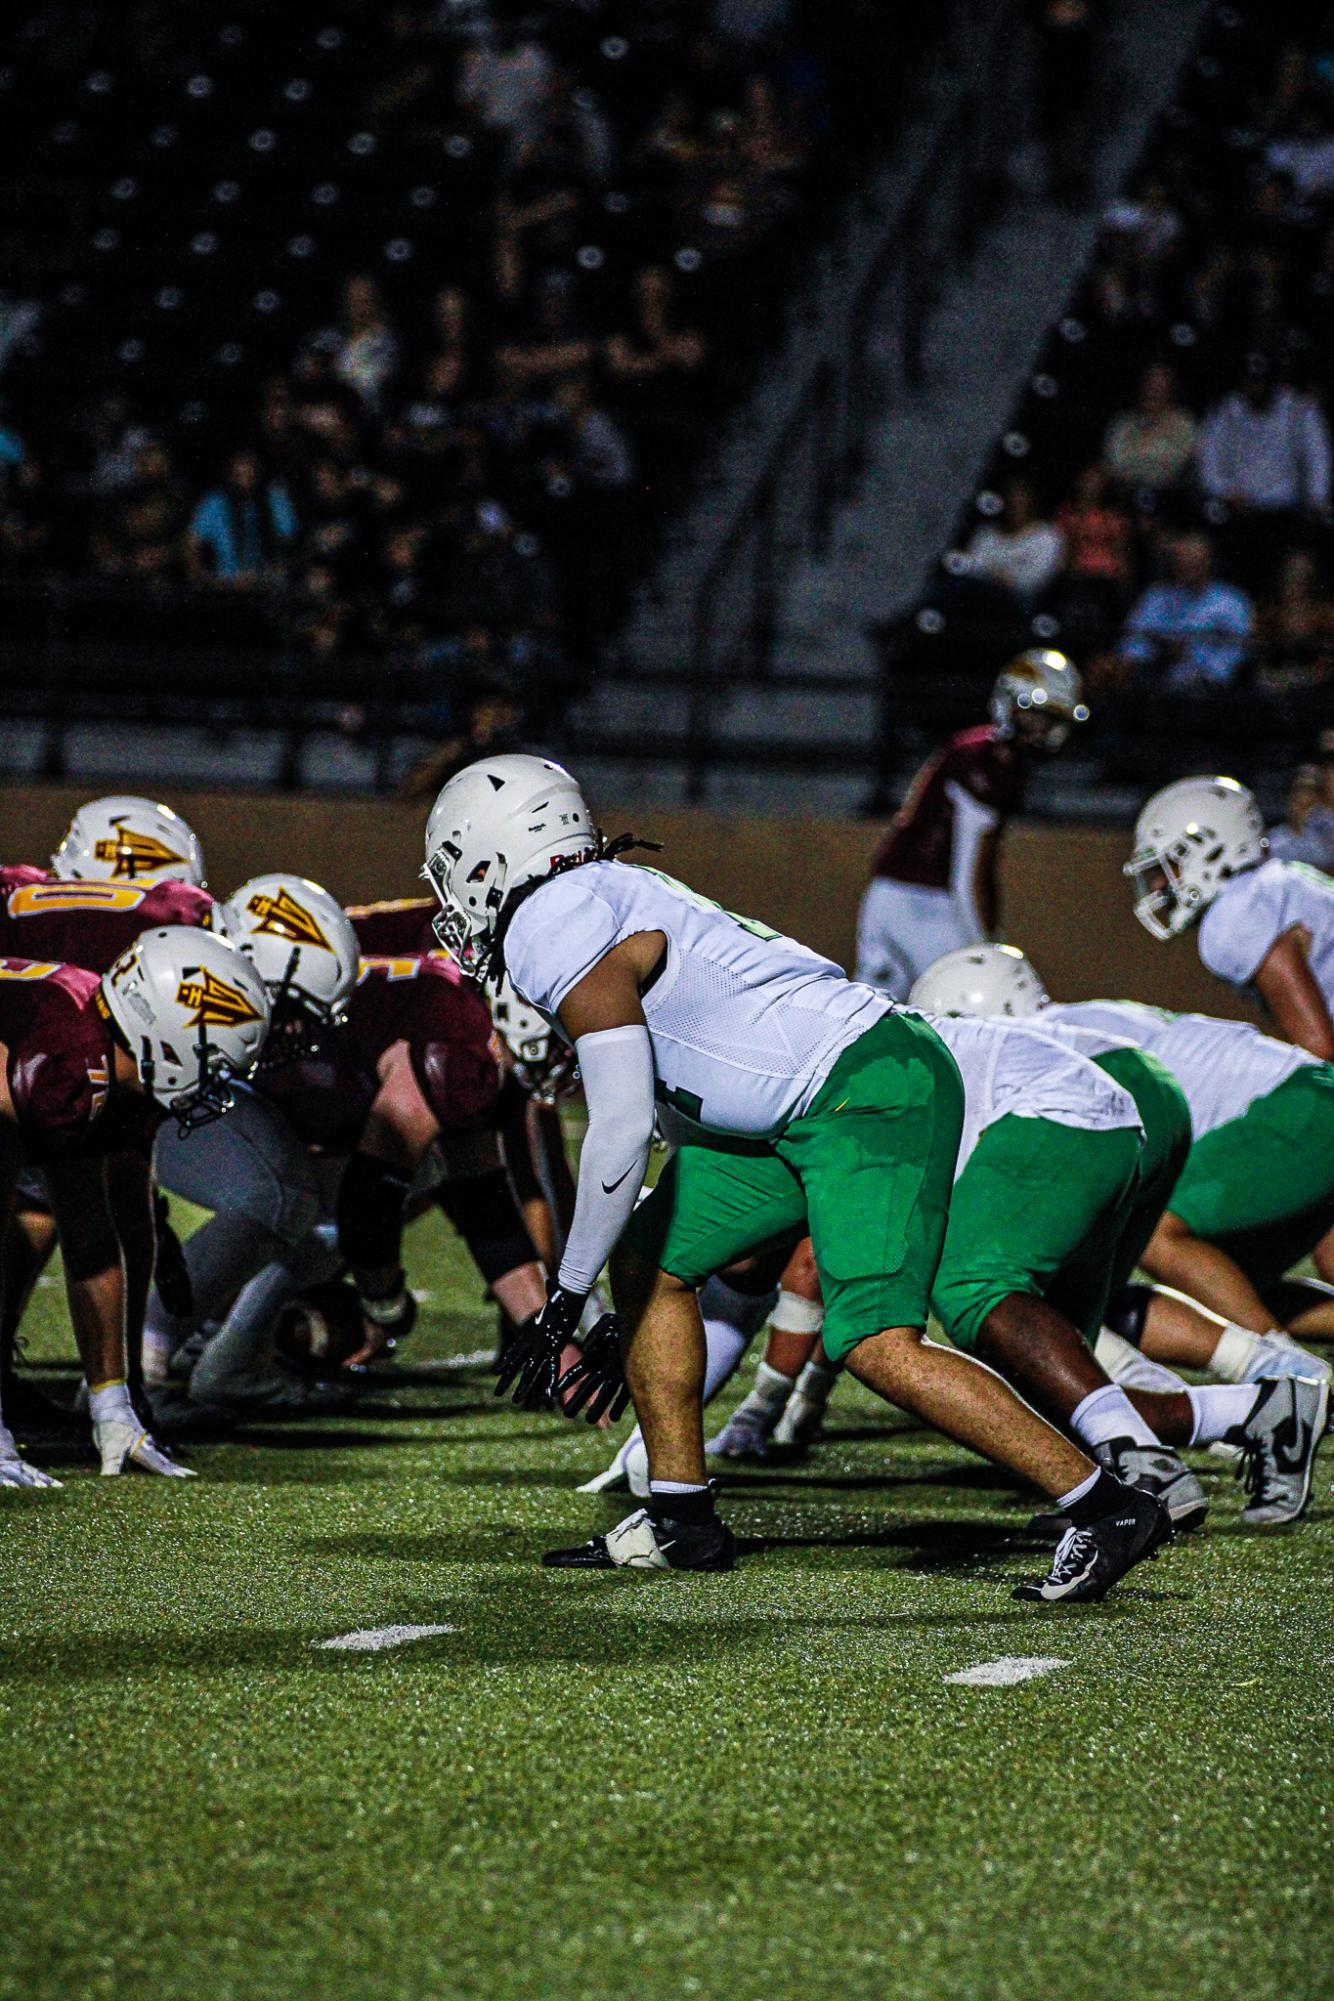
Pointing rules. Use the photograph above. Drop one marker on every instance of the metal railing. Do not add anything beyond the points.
(819, 457)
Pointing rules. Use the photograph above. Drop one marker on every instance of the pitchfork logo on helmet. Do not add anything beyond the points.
(126, 839)
(281, 916)
(302, 944)
(1189, 839)
(214, 1003)
(980, 980)
(497, 825)
(1045, 687)
(192, 1012)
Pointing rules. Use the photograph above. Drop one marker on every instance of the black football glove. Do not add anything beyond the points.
(171, 1274)
(595, 1385)
(530, 1359)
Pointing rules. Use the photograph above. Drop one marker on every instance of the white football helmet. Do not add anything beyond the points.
(193, 1013)
(497, 824)
(1188, 840)
(980, 979)
(125, 839)
(302, 944)
(1040, 683)
(544, 1062)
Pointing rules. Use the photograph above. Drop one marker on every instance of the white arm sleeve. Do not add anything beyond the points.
(617, 1068)
(971, 821)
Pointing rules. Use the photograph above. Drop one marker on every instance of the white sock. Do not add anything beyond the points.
(1220, 1408)
(731, 1321)
(1108, 1413)
(1133, 1371)
(679, 1486)
(815, 1383)
(110, 1401)
(1085, 1486)
(772, 1388)
(1237, 1347)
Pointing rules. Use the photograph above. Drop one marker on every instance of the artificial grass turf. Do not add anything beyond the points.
(749, 1787)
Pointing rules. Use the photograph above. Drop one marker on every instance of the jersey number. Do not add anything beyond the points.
(33, 898)
(685, 1102)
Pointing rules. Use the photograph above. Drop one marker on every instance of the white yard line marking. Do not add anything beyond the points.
(370, 1639)
(1011, 1668)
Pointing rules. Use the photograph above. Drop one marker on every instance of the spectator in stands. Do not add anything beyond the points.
(490, 722)
(1191, 630)
(25, 521)
(367, 352)
(1264, 448)
(1295, 630)
(1018, 549)
(453, 363)
(1305, 154)
(503, 76)
(1153, 444)
(1091, 596)
(1306, 833)
(557, 348)
(242, 529)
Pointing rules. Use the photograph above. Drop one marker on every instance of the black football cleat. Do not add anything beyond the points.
(1091, 1559)
(640, 1543)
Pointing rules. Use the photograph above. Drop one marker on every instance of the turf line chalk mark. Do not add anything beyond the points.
(372, 1639)
(1009, 1669)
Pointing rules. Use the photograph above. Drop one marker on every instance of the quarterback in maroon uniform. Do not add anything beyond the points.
(933, 880)
(175, 1017)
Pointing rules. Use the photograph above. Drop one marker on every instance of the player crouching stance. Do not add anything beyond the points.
(795, 1094)
(178, 1015)
(1037, 1216)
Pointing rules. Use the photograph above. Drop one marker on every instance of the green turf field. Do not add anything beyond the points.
(750, 1787)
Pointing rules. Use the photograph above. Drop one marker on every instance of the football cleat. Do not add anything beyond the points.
(1090, 1560)
(15, 1471)
(1278, 1354)
(1156, 1470)
(747, 1431)
(1278, 1447)
(640, 1543)
(124, 1446)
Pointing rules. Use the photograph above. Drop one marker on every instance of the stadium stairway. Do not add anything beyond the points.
(923, 458)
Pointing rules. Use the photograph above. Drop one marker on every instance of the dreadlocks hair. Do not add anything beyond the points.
(604, 851)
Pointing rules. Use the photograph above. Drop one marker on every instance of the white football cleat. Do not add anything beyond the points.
(1278, 1354)
(19, 1473)
(123, 1445)
(746, 1432)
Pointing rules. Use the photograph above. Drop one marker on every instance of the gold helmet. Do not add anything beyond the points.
(1043, 684)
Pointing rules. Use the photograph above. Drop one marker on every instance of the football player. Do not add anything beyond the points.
(89, 924)
(934, 878)
(1255, 1194)
(1201, 858)
(795, 1093)
(380, 1061)
(127, 839)
(177, 1017)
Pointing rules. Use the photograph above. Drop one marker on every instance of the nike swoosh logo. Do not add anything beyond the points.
(610, 1187)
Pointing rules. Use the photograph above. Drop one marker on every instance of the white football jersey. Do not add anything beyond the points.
(1254, 910)
(1223, 1067)
(745, 1023)
(1011, 1069)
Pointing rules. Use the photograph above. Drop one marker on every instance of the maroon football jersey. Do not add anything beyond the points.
(919, 846)
(423, 1001)
(392, 929)
(58, 1054)
(88, 923)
